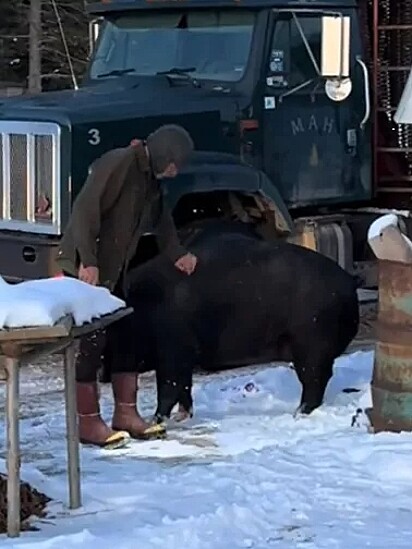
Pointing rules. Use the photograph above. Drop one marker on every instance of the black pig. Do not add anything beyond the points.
(249, 301)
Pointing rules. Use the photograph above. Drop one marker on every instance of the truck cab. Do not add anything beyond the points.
(275, 94)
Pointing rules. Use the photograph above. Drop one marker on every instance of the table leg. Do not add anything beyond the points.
(13, 447)
(72, 427)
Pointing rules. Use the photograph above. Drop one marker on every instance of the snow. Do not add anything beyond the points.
(242, 474)
(44, 302)
(380, 224)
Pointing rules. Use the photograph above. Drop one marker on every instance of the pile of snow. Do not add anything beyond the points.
(244, 474)
(44, 302)
(382, 223)
(387, 239)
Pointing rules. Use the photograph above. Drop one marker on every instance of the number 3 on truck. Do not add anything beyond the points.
(94, 138)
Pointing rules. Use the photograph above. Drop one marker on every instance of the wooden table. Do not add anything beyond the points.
(27, 344)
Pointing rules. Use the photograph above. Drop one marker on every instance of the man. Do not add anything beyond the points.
(120, 200)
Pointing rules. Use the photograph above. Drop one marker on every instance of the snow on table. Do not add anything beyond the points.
(44, 302)
(246, 476)
(382, 223)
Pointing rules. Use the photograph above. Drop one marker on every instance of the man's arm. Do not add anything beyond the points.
(167, 237)
(169, 242)
(87, 208)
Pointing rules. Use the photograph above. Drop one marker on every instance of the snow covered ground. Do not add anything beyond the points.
(247, 475)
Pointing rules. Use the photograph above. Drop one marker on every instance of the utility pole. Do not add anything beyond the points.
(35, 36)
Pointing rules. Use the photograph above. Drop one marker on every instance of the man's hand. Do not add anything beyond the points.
(90, 275)
(187, 263)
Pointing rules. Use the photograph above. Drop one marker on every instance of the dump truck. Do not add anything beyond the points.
(290, 104)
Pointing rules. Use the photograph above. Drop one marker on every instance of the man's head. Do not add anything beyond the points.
(170, 147)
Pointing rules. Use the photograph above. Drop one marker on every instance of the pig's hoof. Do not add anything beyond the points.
(297, 414)
(303, 411)
(159, 420)
(182, 415)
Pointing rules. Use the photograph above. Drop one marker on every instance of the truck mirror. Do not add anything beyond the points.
(94, 28)
(335, 47)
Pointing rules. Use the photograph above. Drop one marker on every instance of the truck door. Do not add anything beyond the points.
(316, 150)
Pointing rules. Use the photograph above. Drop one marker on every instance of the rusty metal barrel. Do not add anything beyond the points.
(392, 373)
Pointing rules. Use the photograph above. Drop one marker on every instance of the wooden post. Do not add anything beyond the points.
(72, 427)
(13, 447)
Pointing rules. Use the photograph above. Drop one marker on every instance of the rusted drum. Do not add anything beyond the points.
(392, 373)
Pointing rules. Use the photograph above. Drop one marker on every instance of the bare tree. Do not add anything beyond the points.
(32, 51)
(14, 33)
(35, 37)
(64, 54)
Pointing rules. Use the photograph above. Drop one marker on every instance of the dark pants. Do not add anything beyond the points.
(98, 350)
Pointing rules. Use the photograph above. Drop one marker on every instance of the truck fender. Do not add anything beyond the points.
(212, 171)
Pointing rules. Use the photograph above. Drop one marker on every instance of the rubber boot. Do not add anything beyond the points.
(126, 417)
(92, 429)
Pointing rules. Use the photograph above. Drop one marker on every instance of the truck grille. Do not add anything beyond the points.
(30, 177)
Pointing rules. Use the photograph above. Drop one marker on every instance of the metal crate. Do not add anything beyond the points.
(30, 193)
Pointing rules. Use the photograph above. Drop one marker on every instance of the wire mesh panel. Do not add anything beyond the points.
(395, 55)
(392, 61)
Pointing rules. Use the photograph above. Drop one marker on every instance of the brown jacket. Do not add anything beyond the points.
(118, 203)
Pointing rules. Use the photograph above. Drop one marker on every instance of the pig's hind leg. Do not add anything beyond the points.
(185, 410)
(314, 369)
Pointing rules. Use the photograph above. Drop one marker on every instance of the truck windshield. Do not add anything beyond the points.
(216, 44)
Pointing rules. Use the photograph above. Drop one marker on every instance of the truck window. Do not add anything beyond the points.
(290, 64)
(216, 44)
